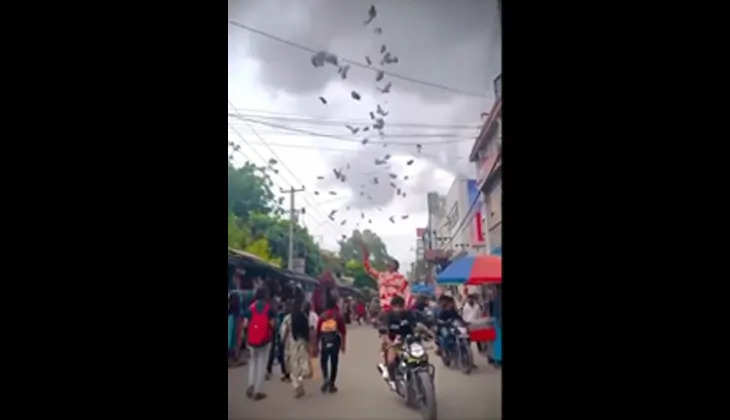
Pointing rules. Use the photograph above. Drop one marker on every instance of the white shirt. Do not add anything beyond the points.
(471, 312)
(313, 319)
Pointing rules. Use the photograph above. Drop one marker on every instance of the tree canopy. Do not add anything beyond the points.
(351, 253)
(255, 225)
(350, 248)
(356, 270)
(248, 191)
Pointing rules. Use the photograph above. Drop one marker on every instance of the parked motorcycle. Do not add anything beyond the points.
(414, 376)
(456, 347)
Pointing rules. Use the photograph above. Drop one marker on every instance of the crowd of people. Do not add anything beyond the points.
(269, 327)
(269, 324)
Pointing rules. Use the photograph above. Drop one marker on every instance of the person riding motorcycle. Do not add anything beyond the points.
(446, 316)
(397, 324)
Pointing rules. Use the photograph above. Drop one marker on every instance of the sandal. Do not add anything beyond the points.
(259, 396)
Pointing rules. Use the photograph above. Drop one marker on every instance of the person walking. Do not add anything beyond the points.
(322, 292)
(497, 348)
(347, 308)
(277, 347)
(295, 337)
(471, 312)
(374, 311)
(360, 311)
(231, 329)
(331, 335)
(236, 317)
(259, 318)
(313, 320)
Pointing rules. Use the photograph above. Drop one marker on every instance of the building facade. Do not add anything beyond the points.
(462, 224)
(487, 156)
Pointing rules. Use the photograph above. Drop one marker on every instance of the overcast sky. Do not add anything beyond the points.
(456, 43)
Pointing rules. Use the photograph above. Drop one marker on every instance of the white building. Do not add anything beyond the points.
(436, 214)
(461, 227)
(487, 155)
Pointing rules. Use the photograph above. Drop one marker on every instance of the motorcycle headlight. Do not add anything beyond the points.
(416, 350)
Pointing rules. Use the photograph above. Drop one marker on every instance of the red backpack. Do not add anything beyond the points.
(259, 328)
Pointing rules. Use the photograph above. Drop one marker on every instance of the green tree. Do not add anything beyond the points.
(260, 248)
(350, 249)
(254, 222)
(248, 191)
(331, 262)
(238, 236)
(356, 270)
(276, 230)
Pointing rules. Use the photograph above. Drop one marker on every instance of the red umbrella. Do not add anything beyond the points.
(473, 270)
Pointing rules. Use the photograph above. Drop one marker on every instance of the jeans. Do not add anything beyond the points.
(277, 349)
(256, 366)
(330, 354)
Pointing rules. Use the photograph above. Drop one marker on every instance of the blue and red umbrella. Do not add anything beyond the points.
(473, 270)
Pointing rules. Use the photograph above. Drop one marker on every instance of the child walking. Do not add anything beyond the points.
(295, 337)
(331, 339)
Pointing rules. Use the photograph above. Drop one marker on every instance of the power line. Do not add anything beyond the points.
(341, 138)
(319, 223)
(265, 162)
(327, 149)
(325, 121)
(357, 63)
(263, 159)
(387, 136)
(281, 161)
(296, 146)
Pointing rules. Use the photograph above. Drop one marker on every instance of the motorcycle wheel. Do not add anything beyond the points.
(427, 403)
(455, 357)
(410, 394)
(467, 361)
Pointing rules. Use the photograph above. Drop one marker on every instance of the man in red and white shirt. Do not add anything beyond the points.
(390, 282)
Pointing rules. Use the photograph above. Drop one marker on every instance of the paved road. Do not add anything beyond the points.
(363, 394)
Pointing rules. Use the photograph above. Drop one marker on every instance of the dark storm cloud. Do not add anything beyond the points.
(455, 43)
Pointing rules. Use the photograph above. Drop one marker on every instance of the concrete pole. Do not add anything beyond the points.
(291, 192)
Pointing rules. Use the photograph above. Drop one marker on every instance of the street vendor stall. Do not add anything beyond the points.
(479, 270)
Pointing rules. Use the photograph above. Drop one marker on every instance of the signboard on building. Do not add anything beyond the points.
(299, 265)
(476, 225)
(420, 232)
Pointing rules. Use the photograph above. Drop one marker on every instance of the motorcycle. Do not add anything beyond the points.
(414, 376)
(456, 347)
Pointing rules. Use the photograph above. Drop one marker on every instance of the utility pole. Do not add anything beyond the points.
(292, 211)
